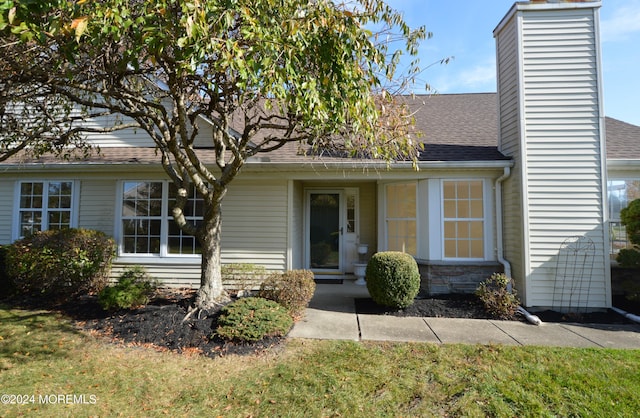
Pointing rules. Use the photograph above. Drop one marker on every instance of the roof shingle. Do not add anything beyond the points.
(456, 127)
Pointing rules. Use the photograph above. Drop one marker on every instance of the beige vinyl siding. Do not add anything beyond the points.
(6, 210)
(168, 274)
(509, 144)
(254, 224)
(550, 124)
(97, 205)
(562, 153)
(120, 138)
(513, 230)
(135, 137)
(254, 230)
(297, 225)
(508, 104)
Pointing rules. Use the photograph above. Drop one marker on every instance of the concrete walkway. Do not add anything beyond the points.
(332, 315)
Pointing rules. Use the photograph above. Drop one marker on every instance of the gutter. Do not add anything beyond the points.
(261, 166)
(623, 163)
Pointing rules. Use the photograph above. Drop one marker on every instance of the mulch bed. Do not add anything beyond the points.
(469, 306)
(445, 306)
(160, 324)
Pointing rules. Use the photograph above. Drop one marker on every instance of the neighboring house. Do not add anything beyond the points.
(503, 180)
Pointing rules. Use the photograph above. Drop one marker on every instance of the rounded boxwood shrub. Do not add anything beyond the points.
(393, 279)
(292, 289)
(252, 319)
(134, 289)
(60, 263)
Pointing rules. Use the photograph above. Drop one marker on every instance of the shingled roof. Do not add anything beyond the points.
(456, 128)
(623, 140)
(464, 127)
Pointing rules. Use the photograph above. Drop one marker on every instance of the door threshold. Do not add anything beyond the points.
(328, 278)
(328, 281)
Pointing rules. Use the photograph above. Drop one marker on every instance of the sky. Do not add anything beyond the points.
(463, 29)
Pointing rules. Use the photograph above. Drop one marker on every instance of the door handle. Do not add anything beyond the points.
(341, 230)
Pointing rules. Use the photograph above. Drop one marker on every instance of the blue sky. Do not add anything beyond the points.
(464, 29)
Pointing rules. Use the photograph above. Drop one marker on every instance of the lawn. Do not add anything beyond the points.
(54, 370)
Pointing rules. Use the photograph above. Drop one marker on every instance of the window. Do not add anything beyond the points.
(147, 223)
(621, 193)
(45, 205)
(179, 242)
(142, 217)
(401, 217)
(463, 219)
(351, 213)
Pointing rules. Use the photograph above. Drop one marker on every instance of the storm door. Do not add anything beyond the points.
(324, 237)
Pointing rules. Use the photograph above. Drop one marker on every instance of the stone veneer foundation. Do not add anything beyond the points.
(437, 278)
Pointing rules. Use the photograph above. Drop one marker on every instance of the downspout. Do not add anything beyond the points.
(629, 316)
(500, 242)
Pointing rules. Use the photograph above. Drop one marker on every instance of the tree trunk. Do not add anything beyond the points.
(211, 291)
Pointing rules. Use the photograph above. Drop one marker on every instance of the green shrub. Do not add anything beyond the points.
(631, 289)
(242, 277)
(630, 218)
(497, 299)
(134, 288)
(62, 263)
(393, 279)
(252, 319)
(6, 284)
(292, 289)
(628, 257)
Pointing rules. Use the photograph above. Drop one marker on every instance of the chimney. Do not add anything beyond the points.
(551, 123)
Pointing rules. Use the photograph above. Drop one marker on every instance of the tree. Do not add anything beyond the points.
(30, 119)
(33, 119)
(272, 71)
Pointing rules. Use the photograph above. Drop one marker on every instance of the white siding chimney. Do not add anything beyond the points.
(551, 123)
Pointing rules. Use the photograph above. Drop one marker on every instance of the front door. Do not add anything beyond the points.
(325, 231)
(332, 231)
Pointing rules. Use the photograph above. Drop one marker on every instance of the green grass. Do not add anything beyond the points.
(41, 354)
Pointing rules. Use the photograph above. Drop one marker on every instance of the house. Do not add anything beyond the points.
(505, 178)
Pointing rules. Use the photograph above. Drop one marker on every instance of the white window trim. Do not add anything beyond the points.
(75, 203)
(487, 208)
(164, 255)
